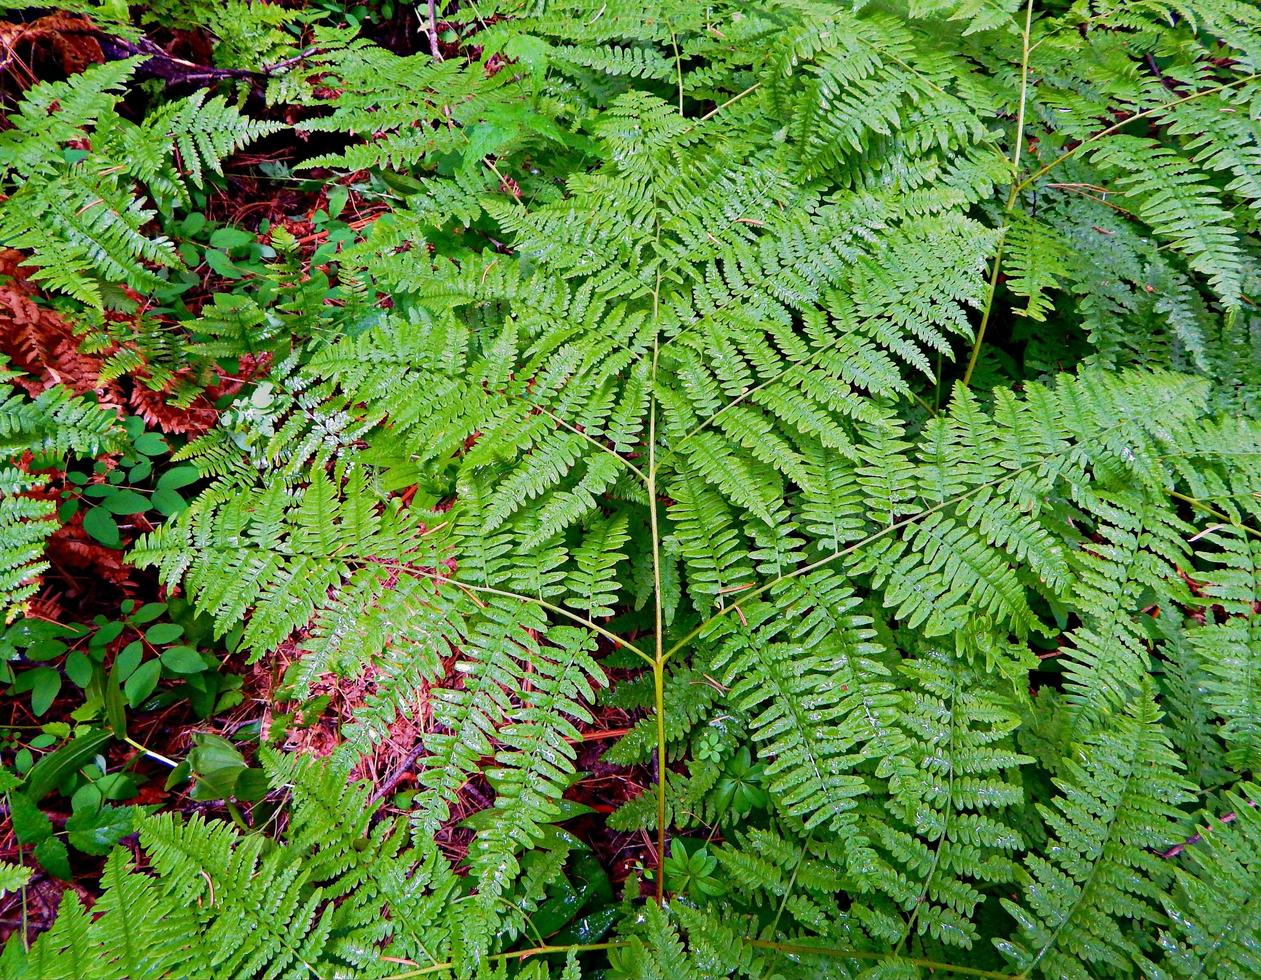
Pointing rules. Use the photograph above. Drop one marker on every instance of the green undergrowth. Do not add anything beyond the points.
(862, 398)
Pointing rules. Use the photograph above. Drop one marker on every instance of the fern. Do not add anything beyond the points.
(44, 430)
(862, 401)
(1229, 652)
(222, 902)
(951, 799)
(1176, 202)
(1116, 806)
(197, 135)
(1211, 937)
(83, 221)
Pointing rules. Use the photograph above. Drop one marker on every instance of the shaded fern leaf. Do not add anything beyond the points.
(1103, 883)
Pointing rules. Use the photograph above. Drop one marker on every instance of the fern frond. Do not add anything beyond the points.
(202, 133)
(950, 831)
(1213, 911)
(1101, 881)
(1037, 261)
(1179, 204)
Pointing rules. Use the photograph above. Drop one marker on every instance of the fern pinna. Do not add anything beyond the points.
(863, 395)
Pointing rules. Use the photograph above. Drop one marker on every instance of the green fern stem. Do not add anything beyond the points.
(1145, 114)
(595, 442)
(731, 101)
(519, 956)
(1201, 506)
(989, 295)
(613, 638)
(786, 948)
(1011, 196)
(862, 954)
(659, 659)
(836, 556)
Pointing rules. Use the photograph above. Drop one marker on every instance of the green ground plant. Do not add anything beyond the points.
(863, 395)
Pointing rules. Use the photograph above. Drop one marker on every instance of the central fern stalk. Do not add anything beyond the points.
(659, 657)
(1011, 197)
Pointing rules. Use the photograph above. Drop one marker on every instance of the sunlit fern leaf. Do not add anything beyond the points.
(392, 872)
(66, 951)
(949, 830)
(1106, 660)
(135, 932)
(1192, 723)
(51, 426)
(813, 729)
(53, 113)
(1223, 134)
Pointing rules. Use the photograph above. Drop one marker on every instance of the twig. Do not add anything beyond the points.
(432, 29)
(289, 62)
(399, 772)
(159, 64)
(1196, 838)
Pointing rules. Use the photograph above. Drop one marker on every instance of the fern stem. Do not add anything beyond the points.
(1024, 94)
(431, 29)
(542, 603)
(518, 955)
(595, 442)
(989, 301)
(1200, 505)
(862, 954)
(1011, 196)
(789, 948)
(836, 555)
(1145, 114)
(731, 101)
(678, 67)
(659, 707)
(659, 660)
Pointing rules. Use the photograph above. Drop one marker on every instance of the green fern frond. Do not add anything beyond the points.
(949, 802)
(202, 133)
(1179, 204)
(1037, 261)
(1117, 805)
(1213, 907)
